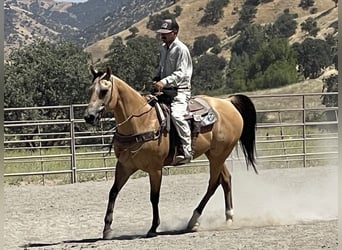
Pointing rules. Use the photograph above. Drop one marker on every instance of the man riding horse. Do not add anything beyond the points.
(174, 75)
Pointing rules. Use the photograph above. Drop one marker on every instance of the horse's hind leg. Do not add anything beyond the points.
(226, 183)
(214, 181)
(121, 176)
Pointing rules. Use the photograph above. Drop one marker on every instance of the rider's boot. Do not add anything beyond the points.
(184, 156)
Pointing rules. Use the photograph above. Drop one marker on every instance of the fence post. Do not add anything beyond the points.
(72, 146)
(282, 137)
(304, 131)
(40, 153)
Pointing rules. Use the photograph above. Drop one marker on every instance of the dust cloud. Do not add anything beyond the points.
(273, 197)
(278, 197)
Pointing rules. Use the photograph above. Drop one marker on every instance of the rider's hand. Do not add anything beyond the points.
(158, 86)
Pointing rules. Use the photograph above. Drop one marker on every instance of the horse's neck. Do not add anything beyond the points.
(129, 103)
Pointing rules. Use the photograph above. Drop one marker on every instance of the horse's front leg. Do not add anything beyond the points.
(155, 183)
(121, 177)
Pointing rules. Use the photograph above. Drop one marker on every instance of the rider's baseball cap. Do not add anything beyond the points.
(168, 26)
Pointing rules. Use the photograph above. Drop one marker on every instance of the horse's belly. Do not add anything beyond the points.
(149, 156)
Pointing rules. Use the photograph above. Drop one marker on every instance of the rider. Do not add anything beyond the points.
(174, 72)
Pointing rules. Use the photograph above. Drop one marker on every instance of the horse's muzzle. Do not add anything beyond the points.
(91, 115)
(90, 118)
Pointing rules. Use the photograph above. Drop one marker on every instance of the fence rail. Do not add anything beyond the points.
(292, 130)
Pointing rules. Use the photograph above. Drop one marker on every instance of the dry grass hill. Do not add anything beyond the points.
(21, 24)
(82, 23)
(193, 10)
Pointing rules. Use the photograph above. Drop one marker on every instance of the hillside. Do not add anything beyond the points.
(25, 19)
(193, 10)
(82, 23)
(97, 22)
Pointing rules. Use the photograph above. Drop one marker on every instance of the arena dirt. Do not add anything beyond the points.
(277, 209)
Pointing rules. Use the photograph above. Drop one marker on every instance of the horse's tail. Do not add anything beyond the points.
(247, 110)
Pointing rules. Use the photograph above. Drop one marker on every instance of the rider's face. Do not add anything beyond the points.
(168, 38)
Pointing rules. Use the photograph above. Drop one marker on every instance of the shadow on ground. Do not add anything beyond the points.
(93, 240)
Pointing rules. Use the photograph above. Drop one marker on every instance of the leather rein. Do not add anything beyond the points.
(126, 141)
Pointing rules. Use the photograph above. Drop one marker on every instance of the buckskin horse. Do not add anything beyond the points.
(139, 142)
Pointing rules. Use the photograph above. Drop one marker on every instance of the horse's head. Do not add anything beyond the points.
(101, 95)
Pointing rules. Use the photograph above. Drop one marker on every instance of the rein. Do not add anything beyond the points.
(133, 115)
(135, 138)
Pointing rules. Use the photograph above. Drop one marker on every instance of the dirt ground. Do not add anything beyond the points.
(277, 209)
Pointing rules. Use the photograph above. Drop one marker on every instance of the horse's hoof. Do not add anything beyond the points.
(193, 223)
(194, 228)
(151, 234)
(108, 235)
(229, 222)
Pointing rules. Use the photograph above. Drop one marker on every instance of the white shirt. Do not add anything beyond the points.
(175, 66)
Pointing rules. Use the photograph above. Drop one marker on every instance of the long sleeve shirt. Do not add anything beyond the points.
(175, 66)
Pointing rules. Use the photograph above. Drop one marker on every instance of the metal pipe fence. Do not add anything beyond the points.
(293, 130)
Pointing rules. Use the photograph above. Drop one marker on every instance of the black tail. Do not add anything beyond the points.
(247, 110)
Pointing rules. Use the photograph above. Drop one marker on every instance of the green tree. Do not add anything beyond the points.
(213, 12)
(331, 40)
(178, 10)
(134, 62)
(252, 2)
(335, 60)
(313, 55)
(237, 73)
(134, 30)
(277, 49)
(208, 73)
(310, 26)
(278, 74)
(250, 40)
(273, 64)
(305, 4)
(247, 14)
(46, 73)
(330, 84)
(285, 25)
(203, 43)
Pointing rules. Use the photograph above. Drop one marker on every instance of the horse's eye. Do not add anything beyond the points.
(103, 93)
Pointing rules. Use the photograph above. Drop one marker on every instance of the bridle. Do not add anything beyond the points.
(138, 113)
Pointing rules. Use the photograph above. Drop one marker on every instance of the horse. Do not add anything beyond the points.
(134, 115)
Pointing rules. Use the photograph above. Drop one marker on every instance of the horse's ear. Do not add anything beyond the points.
(93, 70)
(109, 71)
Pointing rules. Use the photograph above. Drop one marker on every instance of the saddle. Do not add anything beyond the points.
(199, 115)
(200, 111)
